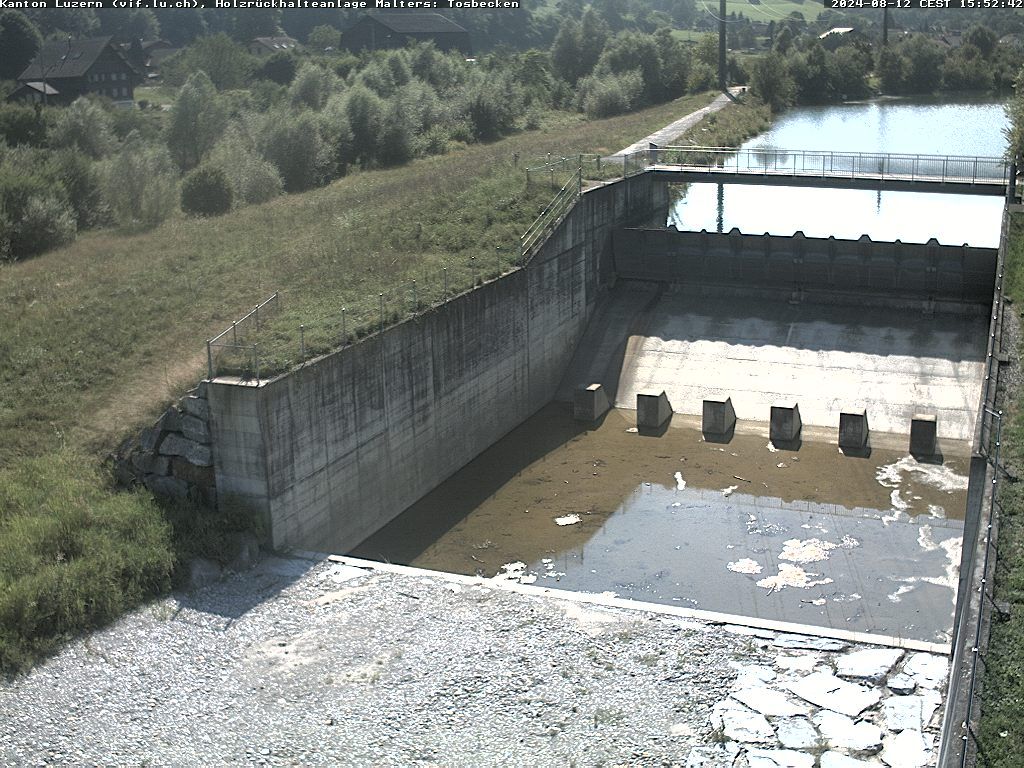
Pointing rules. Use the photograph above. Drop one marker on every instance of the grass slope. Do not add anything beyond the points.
(100, 335)
(1002, 727)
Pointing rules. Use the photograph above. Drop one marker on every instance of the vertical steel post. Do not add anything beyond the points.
(302, 341)
(256, 361)
(256, 312)
(209, 360)
(382, 311)
(234, 331)
(445, 270)
(415, 298)
(344, 329)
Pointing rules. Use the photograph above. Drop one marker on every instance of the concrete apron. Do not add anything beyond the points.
(584, 598)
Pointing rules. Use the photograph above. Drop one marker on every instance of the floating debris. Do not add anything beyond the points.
(568, 519)
(680, 483)
(936, 475)
(727, 492)
(791, 576)
(813, 550)
(746, 565)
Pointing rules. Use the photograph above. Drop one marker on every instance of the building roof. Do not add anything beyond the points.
(44, 88)
(66, 58)
(416, 23)
(277, 43)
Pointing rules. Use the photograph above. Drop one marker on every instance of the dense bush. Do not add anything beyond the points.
(293, 144)
(252, 179)
(141, 183)
(22, 124)
(206, 191)
(84, 126)
(608, 95)
(197, 121)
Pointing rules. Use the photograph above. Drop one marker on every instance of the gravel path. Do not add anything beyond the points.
(303, 662)
(670, 131)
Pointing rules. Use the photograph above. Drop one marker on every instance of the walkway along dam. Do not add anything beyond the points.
(795, 347)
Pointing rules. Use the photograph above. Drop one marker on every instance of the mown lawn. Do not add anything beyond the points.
(100, 336)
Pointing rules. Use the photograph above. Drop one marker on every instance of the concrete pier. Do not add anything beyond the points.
(719, 417)
(853, 429)
(923, 434)
(652, 410)
(590, 403)
(785, 424)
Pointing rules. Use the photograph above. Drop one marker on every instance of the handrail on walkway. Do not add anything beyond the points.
(826, 164)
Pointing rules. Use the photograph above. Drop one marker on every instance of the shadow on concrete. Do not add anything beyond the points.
(934, 458)
(655, 431)
(788, 445)
(856, 453)
(719, 437)
(406, 537)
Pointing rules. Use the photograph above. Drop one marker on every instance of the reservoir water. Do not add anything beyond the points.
(899, 126)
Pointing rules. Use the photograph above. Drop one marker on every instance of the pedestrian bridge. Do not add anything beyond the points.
(844, 170)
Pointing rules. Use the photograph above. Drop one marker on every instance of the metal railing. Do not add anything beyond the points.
(551, 215)
(770, 161)
(228, 348)
(591, 165)
(241, 350)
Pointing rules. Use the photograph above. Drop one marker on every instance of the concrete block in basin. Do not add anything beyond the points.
(719, 417)
(853, 428)
(652, 409)
(590, 403)
(923, 435)
(785, 424)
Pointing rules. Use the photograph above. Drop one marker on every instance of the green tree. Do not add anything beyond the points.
(323, 37)
(1015, 114)
(83, 187)
(892, 68)
(19, 41)
(297, 150)
(197, 121)
(312, 86)
(180, 26)
(395, 145)
(22, 124)
(226, 62)
(593, 37)
(84, 126)
(365, 114)
(567, 51)
(129, 24)
(924, 65)
(279, 68)
(982, 38)
(770, 81)
(253, 179)
(206, 191)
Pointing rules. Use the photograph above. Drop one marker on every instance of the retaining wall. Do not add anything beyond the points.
(334, 450)
(955, 278)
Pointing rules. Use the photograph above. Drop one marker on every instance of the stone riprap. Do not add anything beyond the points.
(300, 662)
(174, 457)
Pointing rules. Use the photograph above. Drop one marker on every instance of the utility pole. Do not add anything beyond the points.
(723, 79)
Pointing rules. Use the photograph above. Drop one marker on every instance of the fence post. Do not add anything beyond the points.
(497, 258)
(256, 361)
(382, 312)
(234, 332)
(415, 298)
(256, 311)
(445, 270)
(599, 163)
(551, 176)
(344, 329)
(209, 360)
(302, 341)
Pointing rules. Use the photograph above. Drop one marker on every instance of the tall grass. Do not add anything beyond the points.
(1002, 729)
(100, 335)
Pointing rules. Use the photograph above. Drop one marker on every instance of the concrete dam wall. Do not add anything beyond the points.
(953, 278)
(334, 450)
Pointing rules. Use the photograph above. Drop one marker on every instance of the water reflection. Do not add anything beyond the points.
(914, 127)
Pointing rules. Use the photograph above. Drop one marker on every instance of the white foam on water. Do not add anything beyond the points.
(746, 565)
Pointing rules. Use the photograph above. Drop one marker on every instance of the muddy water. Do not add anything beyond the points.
(809, 536)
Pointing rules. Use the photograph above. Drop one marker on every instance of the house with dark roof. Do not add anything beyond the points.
(378, 31)
(63, 70)
(265, 46)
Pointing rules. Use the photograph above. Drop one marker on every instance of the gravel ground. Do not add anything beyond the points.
(313, 662)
